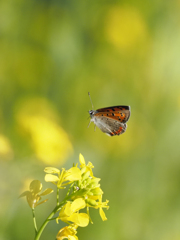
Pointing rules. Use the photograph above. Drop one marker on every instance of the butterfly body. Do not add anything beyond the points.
(111, 120)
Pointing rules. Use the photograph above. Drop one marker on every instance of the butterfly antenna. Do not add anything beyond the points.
(90, 100)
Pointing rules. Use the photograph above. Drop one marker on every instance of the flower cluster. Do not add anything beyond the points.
(84, 192)
(90, 188)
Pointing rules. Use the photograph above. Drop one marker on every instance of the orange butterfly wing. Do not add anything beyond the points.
(118, 113)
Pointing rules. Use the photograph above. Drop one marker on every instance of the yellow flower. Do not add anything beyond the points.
(62, 178)
(102, 205)
(70, 213)
(85, 168)
(34, 196)
(96, 202)
(68, 232)
(92, 191)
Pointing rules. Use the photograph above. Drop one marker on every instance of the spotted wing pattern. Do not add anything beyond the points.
(111, 120)
(119, 113)
(110, 126)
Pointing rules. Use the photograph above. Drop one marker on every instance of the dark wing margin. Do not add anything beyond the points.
(114, 108)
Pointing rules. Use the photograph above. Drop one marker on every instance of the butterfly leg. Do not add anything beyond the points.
(89, 123)
(94, 127)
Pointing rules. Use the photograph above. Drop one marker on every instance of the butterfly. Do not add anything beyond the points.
(111, 120)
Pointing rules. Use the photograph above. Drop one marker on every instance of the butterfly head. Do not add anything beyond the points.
(91, 113)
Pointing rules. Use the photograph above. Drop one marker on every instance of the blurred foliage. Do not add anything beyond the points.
(125, 53)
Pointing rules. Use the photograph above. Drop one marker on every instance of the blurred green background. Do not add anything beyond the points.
(52, 52)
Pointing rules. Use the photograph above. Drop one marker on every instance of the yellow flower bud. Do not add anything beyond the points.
(91, 202)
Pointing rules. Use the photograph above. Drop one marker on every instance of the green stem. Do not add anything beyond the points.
(57, 196)
(38, 233)
(37, 237)
(34, 221)
(68, 192)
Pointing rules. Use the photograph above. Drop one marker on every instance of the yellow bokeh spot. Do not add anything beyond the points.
(6, 152)
(50, 142)
(125, 27)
